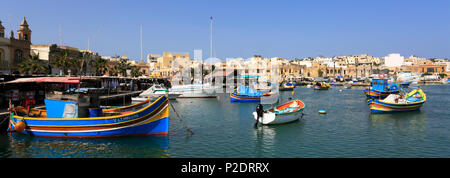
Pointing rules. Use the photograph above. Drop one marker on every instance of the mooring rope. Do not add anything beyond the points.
(184, 125)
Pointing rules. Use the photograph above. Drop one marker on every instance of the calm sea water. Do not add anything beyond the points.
(224, 129)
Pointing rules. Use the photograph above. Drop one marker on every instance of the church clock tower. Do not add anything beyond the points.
(24, 33)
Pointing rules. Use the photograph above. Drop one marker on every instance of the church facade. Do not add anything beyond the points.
(14, 50)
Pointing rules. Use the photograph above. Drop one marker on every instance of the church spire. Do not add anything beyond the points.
(24, 22)
(24, 32)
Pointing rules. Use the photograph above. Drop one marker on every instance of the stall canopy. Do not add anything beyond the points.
(48, 80)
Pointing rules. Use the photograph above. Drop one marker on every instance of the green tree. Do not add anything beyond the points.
(123, 66)
(100, 65)
(33, 65)
(320, 73)
(135, 71)
(63, 61)
(442, 75)
(426, 73)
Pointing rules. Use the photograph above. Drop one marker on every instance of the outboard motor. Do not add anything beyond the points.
(259, 113)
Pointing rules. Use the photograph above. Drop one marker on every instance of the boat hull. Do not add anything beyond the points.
(320, 88)
(282, 114)
(150, 120)
(245, 98)
(272, 119)
(377, 106)
(286, 88)
(370, 93)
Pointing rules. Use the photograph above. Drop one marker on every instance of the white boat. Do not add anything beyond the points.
(408, 77)
(285, 113)
(155, 91)
(194, 91)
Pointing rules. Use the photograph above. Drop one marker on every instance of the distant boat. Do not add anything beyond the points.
(405, 84)
(321, 86)
(61, 120)
(381, 89)
(246, 94)
(347, 86)
(288, 86)
(285, 113)
(395, 103)
(408, 77)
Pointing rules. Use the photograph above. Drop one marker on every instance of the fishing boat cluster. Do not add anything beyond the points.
(81, 116)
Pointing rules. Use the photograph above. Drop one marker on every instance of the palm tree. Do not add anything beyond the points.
(63, 61)
(114, 69)
(135, 71)
(33, 65)
(123, 66)
(99, 64)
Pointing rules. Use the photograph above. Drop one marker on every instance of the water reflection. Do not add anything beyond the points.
(413, 120)
(127, 147)
(269, 137)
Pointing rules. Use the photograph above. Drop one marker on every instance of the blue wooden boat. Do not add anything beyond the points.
(246, 94)
(288, 86)
(152, 119)
(413, 101)
(381, 89)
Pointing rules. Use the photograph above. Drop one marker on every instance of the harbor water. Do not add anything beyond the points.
(225, 130)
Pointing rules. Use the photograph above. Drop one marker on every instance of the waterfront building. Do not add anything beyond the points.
(50, 53)
(393, 60)
(13, 51)
(152, 60)
(429, 66)
(169, 63)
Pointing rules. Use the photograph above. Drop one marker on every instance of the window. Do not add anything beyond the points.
(25, 37)
(18, 56)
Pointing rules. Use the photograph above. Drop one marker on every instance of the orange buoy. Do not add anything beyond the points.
(381, 75)
(19, 126)
(293, 92)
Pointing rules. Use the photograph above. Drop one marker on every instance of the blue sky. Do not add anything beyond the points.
(289, 29)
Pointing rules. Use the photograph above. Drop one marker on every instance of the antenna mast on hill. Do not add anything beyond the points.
(60, 35)
(141, 42)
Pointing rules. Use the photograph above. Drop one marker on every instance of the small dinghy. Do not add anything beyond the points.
(285, 113)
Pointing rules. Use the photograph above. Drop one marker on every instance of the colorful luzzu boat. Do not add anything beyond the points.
(321, 86)
(246, 94)
(285, 113)
(381, 89)
(395, 103)
(152, 119)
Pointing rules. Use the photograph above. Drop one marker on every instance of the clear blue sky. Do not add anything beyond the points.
(289, 29)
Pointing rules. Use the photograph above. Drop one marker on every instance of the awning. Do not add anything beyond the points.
(48, 80)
